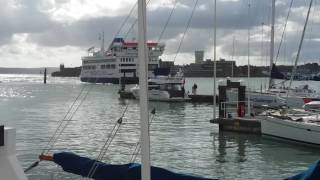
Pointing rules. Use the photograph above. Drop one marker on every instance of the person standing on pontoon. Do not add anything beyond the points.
(194, 89)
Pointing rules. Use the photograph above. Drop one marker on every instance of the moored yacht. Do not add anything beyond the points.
(276, 97)
(296, 125)
(119, 61)
(164, 88)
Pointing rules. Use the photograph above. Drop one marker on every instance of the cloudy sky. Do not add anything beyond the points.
(38, 33)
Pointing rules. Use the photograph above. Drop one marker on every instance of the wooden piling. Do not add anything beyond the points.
(2, 135)
(45, 76)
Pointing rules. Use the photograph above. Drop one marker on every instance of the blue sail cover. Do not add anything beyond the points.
(313, 173)
(75, 164)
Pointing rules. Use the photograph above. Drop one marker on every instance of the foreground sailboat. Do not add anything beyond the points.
(82, 166)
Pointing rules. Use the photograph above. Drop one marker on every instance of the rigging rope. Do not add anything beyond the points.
(188, 25)
(124, 22)
(62, 120)
(283, 32)
(138, 145)
(127, 18)
(168, 20)
(107, 143)
(68, 120)
(133, 24)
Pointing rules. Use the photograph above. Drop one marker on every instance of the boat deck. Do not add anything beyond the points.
(192, 98)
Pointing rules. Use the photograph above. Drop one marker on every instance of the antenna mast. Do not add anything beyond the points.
(272, 42)
(215, 60)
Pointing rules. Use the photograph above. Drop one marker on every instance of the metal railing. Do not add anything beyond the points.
(231, 108)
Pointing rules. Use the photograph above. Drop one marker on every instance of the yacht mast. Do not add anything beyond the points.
(248, 83)
(144, 115)
(215, 60)
(272, 42)
(300, 45)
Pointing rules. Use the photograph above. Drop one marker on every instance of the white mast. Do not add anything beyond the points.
(248, 83)
(215, 60)
(144, 115)
(272, 41)
(300, 45)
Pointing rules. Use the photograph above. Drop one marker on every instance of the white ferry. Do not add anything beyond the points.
(119, 61)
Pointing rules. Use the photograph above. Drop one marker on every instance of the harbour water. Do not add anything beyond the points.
(182, 139)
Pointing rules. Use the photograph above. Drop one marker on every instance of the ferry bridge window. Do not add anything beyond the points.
(108, 66)
(113, 66)
(103, 66)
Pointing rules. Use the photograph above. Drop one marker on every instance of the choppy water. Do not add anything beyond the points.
(182, 138)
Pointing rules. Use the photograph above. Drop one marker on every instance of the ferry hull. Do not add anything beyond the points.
(126, 80)
(291, 130)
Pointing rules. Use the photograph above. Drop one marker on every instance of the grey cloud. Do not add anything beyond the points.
(232, 19)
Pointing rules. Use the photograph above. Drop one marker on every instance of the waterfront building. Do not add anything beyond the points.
(199, 57)
(224, 69)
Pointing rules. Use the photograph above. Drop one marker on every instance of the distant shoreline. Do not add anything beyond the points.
(4, 70)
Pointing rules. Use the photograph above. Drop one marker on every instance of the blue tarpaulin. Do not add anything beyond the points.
(79, 165)
(313, 173)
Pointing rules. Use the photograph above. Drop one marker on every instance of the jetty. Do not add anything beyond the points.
(232, 115)
(193, 98)
(242, 125)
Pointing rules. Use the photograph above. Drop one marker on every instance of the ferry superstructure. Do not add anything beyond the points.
(119, 61)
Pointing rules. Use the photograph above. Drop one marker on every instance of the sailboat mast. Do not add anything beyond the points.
(272, 42)
(248, 83)
(215, 60)
(300, 45)
(144, 113)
